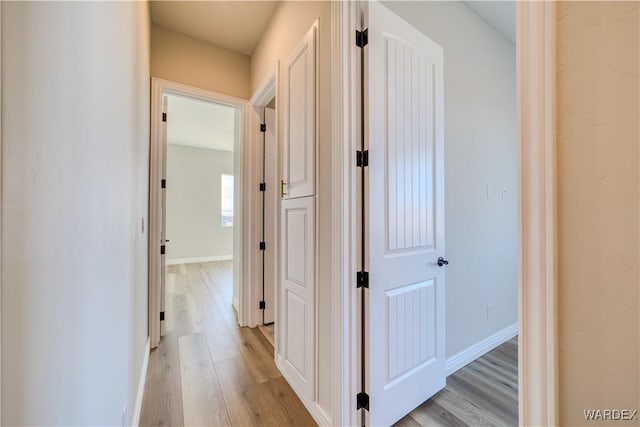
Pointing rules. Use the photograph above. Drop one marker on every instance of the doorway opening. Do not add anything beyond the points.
(195, 195)
(199, 192)
(439, 277)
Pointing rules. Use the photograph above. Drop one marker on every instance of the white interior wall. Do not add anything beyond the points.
(481, 150)
(75, 140)
(193, 204)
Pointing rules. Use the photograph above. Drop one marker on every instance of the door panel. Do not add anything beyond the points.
(296, 318)
(409, 146)
(412, 342)
(298, 293)
(406, 216)
(299, 118)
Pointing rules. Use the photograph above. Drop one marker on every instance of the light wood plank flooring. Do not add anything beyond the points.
(207, 371)
(483, 393)
(269, 332)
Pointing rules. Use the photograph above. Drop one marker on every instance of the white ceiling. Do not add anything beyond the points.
(201, 124)
(234, 25)
(501, 15)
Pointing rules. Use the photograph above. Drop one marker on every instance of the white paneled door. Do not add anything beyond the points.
(297, 302)
(300, 118)
(296, 299)
(406, 345)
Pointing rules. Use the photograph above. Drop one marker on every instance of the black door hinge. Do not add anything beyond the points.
(362, 279)
(362, 400)
(164, 117)
(163, 183)
(263, 127)
(263, 186)
(362, 37)
(263, 305)
(263, 246)
(362, 158)
(161, 249)
(161, 316)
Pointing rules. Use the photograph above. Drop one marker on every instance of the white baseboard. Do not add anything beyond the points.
(135, 420)
(477, 350)
(317, 413)
(201, 259)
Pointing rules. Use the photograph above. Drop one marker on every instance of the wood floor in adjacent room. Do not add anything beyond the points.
(483, 393)
(207, 371)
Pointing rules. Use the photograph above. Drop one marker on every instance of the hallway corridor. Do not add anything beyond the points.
(207, 370)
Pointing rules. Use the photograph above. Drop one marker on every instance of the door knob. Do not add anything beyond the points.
(442, 261)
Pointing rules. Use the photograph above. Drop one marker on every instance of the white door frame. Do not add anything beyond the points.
(537, 349)
(0, 212)
(261, 97)
(345, 19)
(160, 87)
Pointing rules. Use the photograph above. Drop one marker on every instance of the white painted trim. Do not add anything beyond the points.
(345, 112)
(168, 86)
(267, 89)
(154, 222)
(537, 349)
(468, 355)
(316, 411)
(316, 212)
(201, 259)
(137, 409)
(159, 87)
(1, 212)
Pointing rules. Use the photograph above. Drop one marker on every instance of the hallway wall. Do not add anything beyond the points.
(180, 58)
(75, 141)
(598, 149)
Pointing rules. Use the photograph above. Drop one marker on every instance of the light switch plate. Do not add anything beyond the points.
(491, 191)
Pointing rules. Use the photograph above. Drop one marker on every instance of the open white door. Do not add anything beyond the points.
(163, 208)
(270, 166)
(406, 315)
